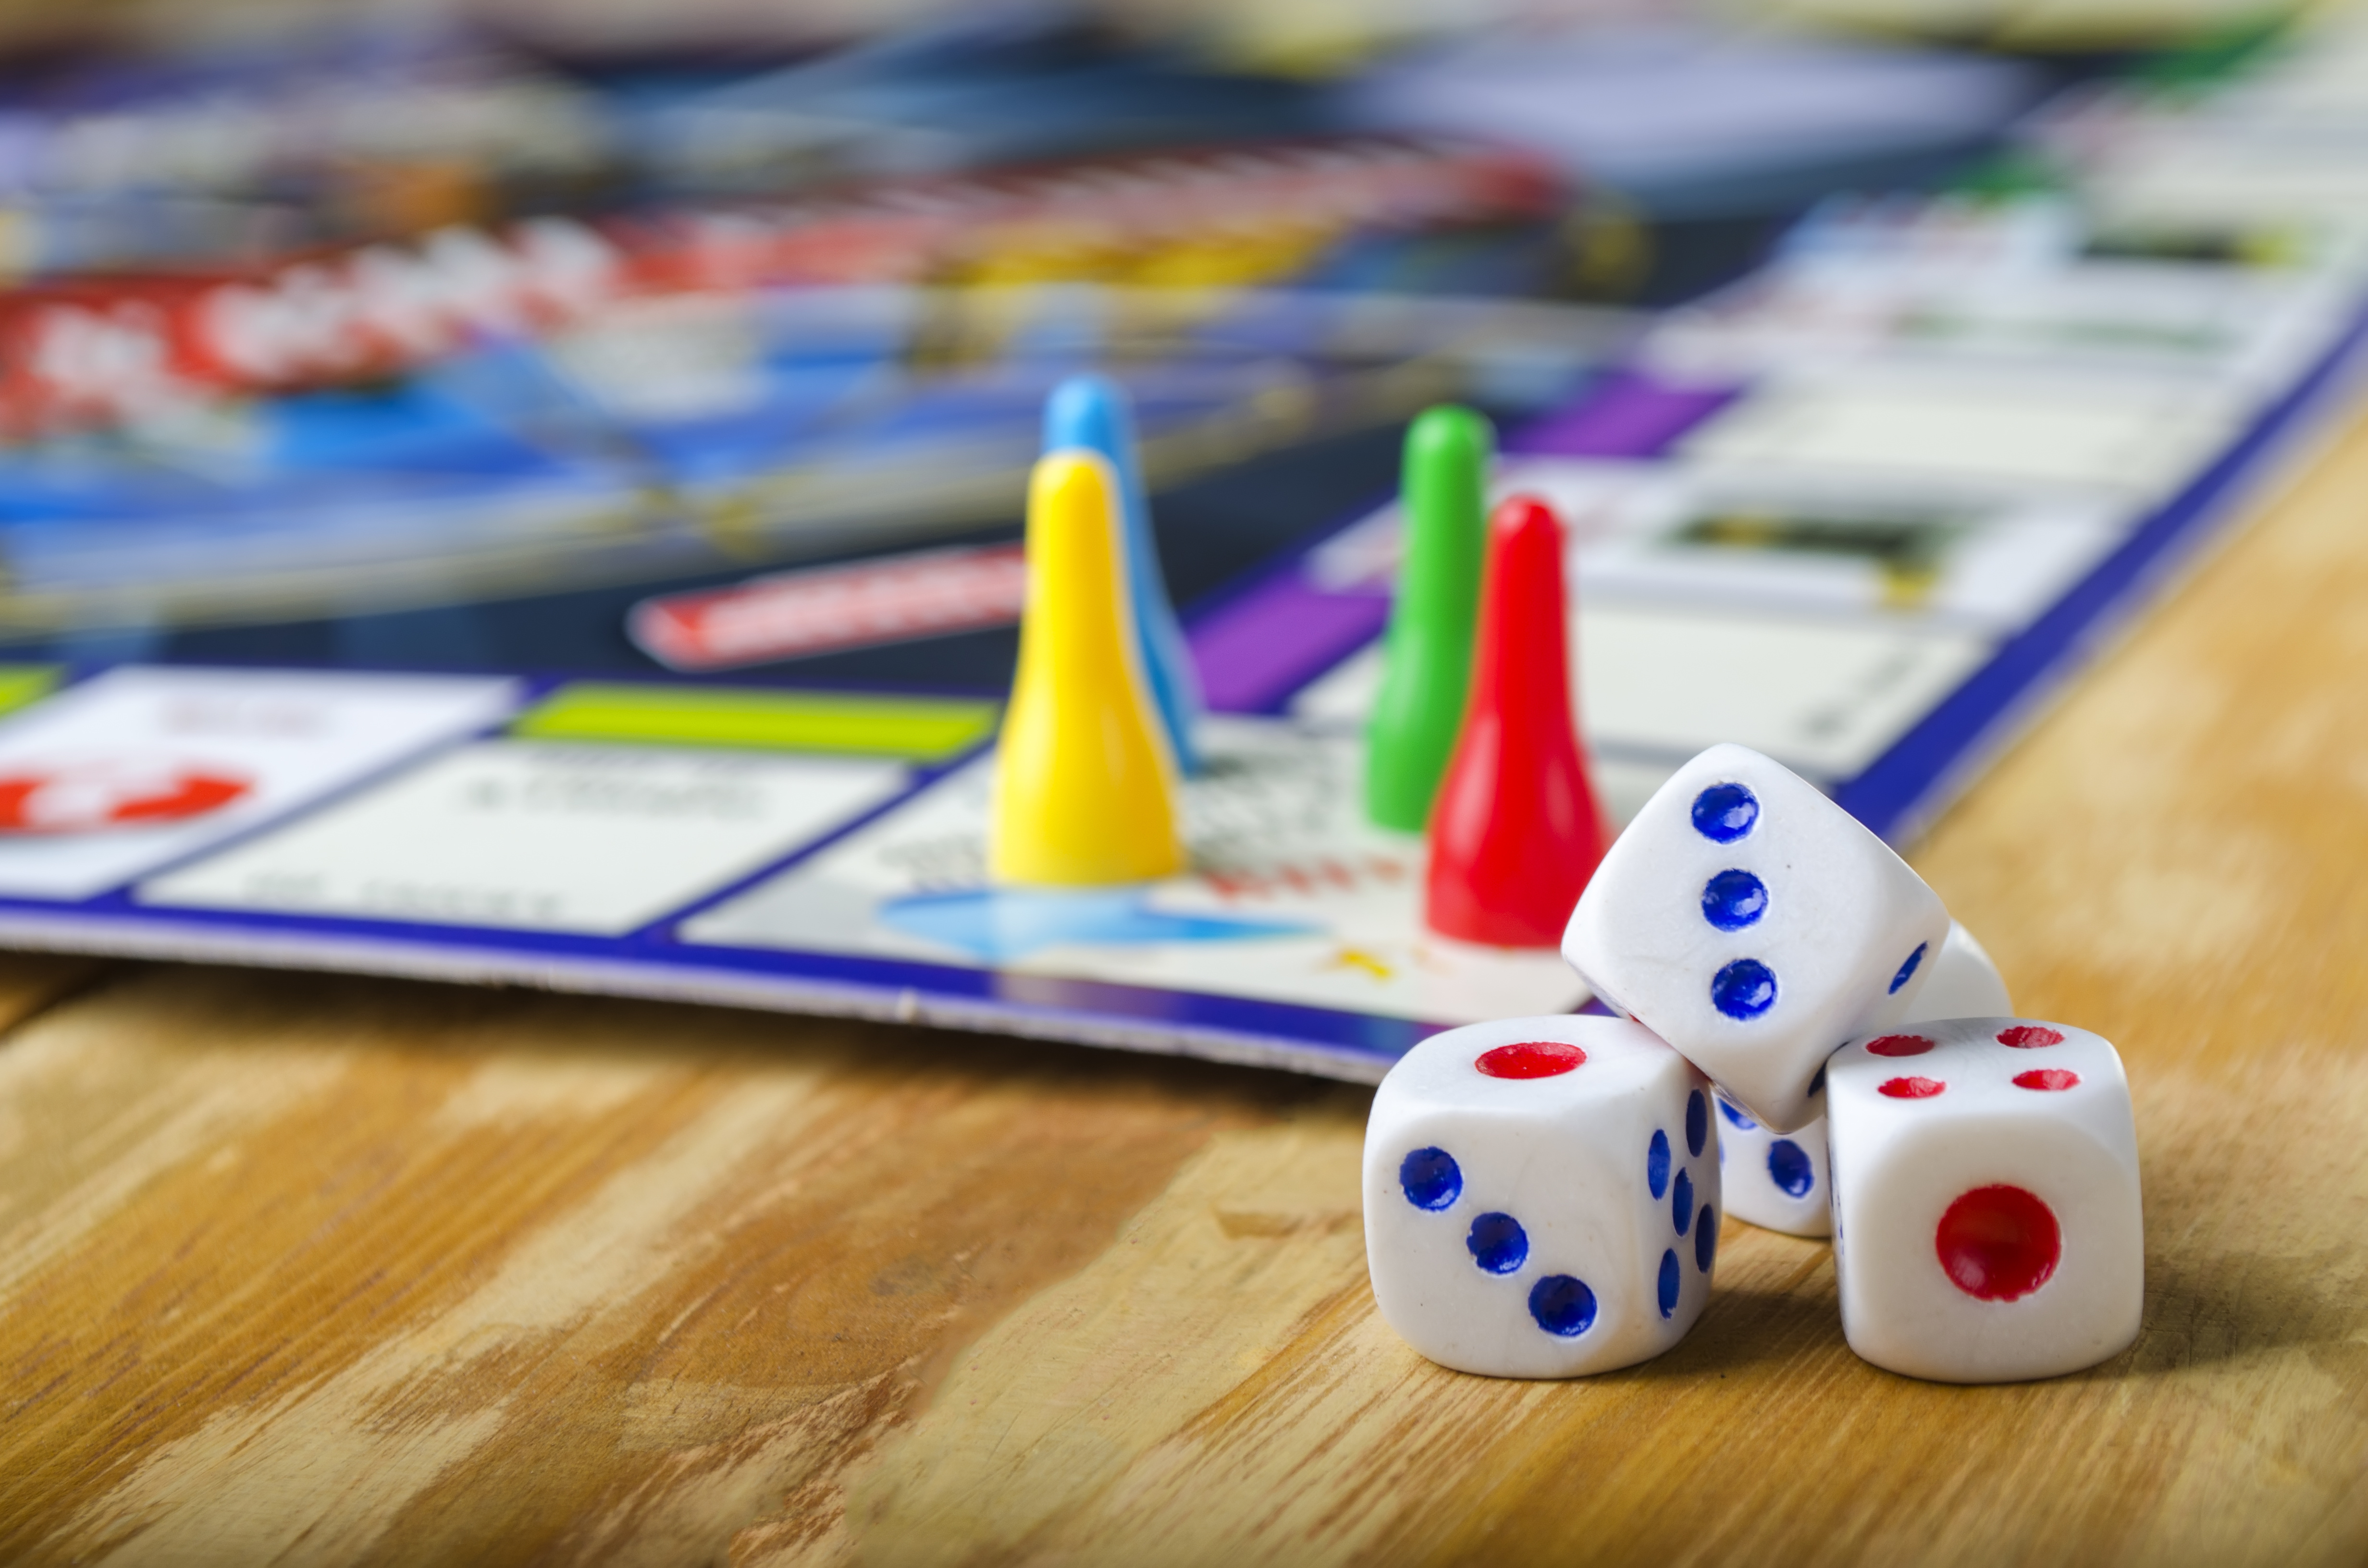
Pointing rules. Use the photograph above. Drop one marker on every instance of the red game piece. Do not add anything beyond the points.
(1516, 831)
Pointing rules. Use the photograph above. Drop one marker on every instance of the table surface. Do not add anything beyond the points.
(321, 1269)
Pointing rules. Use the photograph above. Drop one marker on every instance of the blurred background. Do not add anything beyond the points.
(504, 335)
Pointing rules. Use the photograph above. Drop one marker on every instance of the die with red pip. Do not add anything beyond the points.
(1541, 1196)
(1987, 1225)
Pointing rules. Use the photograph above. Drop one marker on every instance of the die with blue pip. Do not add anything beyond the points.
(1755, 925)
(1541, 1196)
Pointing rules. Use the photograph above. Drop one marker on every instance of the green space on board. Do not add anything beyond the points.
(21, 684)
(916, 728)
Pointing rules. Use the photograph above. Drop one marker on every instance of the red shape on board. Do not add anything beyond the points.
(1516, 831)
(1530, 1058)
(1999, 1244)
(2047, 1078)
(114, 792)
(2030, 1037)
(1909, 1088)
(1899, 1045)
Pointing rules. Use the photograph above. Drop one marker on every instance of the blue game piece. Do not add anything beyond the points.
(1092, 413)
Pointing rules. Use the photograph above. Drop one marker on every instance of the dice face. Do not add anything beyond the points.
(1542, 1197)
(1774, 1180)
(1987, 1216)
(1755, 925)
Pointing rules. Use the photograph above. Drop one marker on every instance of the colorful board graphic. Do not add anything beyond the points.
(1293, 897)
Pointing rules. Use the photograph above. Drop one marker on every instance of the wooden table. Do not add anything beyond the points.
(325, 1270)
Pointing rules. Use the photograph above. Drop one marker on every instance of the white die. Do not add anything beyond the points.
(1755, 925)
(1541, 1226)
(1779, 1181)
(1987, 1225)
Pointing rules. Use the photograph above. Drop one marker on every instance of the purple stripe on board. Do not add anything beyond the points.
(1255, 651)
(1630, 415)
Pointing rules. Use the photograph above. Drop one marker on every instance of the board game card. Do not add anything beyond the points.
(536, 835)
(1913, 551)
(2133, 436)
(2249, 329)
(1825, 696)
(140, 766)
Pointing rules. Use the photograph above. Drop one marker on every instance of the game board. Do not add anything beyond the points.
(1860, 512)
(1770, 546)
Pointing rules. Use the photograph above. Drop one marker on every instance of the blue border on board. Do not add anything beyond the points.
(1263, 1026)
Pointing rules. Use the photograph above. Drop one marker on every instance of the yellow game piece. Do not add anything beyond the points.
(1085, 786)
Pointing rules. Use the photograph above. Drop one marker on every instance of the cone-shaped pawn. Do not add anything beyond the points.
(1085, 791)
(1426, 657)
(1091, 413)
(1516, 831)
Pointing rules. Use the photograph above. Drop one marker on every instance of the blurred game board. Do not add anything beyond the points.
(1877, 625)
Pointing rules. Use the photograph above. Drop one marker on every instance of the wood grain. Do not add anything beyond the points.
(316, 1270)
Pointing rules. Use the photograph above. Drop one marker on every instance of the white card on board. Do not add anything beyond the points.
(1825, 698)
(540, 836)
(142, 767)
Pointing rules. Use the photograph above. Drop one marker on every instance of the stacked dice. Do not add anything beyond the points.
(1804, 1036)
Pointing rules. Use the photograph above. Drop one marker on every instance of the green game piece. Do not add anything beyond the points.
(1427, 654)
(915, 729)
